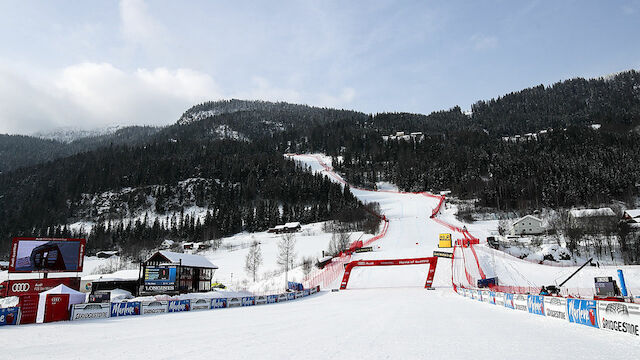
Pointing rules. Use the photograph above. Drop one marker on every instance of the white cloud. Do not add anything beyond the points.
(344, 98)
(90, 95)
(138, 26)
(484, 42)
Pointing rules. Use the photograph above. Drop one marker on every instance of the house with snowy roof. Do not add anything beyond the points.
(592, 219)
(632, 216)
(286, 228)
(527, 225)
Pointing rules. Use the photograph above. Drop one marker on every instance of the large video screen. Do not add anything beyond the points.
(46, 255)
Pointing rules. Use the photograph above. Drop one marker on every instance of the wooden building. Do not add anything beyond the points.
(167, 272)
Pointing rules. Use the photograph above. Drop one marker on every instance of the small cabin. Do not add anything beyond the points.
(167, 272)
(289, 227)
(527, 225)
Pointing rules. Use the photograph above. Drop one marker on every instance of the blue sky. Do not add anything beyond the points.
(91, 64)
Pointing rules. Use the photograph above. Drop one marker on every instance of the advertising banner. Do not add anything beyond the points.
(535, 304)
(248, 301)
(220, 303)
(486, 296)
(499, 298)
(282, 297)
(155, 307)
(34, 286)
(520, 302)
(272, 299)
(125, 309)
(299, 294)
(508, 301)
(555, 307)
(179, 305)
(307, 292)
(46, 255)
(160, 278)
(313, 290)
(9, 316)
(90, 311)
(261, 300)
(200, 304)
(234, 302)
(582, 312)
(291, 296)
(28, 308)
(492, 297)
(623, 318)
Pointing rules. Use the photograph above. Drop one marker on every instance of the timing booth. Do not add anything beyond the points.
(167, 272)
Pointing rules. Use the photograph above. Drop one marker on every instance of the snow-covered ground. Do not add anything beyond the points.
(400, 323)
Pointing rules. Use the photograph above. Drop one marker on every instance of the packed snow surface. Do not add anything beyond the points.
(400, 323)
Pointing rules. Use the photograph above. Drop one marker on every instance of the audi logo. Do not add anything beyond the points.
(20, 287)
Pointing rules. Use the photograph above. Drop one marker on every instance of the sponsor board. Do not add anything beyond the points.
(623, 318)
(90, 311)
(155, 307)
(499, 298)
(159, 288)
(125, 309)
(179, 305)
(291, 296)
(282, 297)
(234, 302)
(261, 300)
(299, 294)
(492, 297)
(582, 312)
(443, 254)
(9, 316)
(313, 290)
(271, 299)
(520, 302)
(364, 249)
(220, 303)
(248, 301)
(486, 296)
(200, 304)
(33, 286)
(535, 304)
(555, 307)
(307, 292)
(508, 301)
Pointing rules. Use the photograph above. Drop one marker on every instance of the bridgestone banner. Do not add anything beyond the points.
(555, 307)
(155, 307)
(261, 300)
(486, 296)
(200, 304)
(234, 302)
(500, 298)
(90, 311)
(622, 318)
(520, 302)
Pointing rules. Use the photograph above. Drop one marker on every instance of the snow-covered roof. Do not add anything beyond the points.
(291, 225)
(633, 213)
(527, 217)
(580, 213)
(188, 259)
(4, 263)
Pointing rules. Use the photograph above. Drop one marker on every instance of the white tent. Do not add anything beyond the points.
(75, 297)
